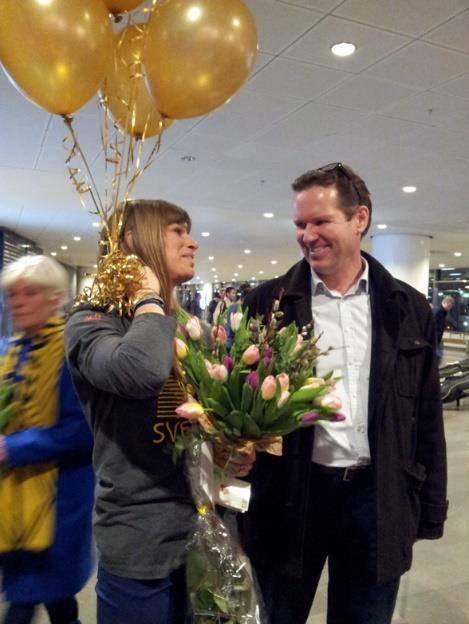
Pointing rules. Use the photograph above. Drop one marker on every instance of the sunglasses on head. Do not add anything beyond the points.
(339, 167)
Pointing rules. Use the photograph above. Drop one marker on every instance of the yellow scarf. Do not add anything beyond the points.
(27, 493)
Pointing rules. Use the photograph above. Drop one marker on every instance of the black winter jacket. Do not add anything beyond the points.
(405, 430)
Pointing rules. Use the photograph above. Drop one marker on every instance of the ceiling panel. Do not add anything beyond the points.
(453, 34)
(372, 44)
(411, 17)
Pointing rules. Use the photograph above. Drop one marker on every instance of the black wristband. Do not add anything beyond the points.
(156, 300)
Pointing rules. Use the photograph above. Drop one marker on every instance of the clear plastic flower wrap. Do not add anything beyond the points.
(220, 581)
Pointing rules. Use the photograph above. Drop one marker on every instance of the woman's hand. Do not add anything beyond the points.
(236, 461)
(149, 281)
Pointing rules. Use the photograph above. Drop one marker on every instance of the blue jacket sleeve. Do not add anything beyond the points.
(69, 439)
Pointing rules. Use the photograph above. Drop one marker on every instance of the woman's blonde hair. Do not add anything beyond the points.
(38, 270)
(148, 219)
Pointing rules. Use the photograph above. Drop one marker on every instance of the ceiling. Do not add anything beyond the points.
(397, 111)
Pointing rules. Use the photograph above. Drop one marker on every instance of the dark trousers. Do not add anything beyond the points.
(131, 601)
(60, 612)
(341, 530)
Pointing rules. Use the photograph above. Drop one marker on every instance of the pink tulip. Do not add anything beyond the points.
(268, 388)
(251, 355)
(191, 410)
(235, 320)
(193, 328)
(181, 349)
(219, 335)
(330, 402)
(253, 380)
(313, 382)
(219, 372)
(283, 398)
(182, 330)
(283, 381)
(299, 343)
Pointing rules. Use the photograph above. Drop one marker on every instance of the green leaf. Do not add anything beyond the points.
(250, 428)
(247, 398)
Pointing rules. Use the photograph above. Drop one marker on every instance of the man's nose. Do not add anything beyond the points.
(311, 233)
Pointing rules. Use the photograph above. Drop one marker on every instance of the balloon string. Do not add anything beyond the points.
(93, 190)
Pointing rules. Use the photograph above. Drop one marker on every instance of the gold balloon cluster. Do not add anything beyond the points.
(179, 59)
(193, 54)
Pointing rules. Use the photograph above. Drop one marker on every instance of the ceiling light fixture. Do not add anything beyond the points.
(96, 224)
(240, 266)
(458, 254)
(382, 226)
(441, 266)
(261, 272)
(77, 238)
(273, 262)
(211, 258)
(247, 251)
(343, 48)
(409, 189)
(205, 234)
(53, 253)
(268, 215)
(63, 247)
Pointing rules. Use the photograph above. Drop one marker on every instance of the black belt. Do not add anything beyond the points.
(348, 473)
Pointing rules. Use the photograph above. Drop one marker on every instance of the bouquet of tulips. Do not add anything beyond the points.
(261, 389)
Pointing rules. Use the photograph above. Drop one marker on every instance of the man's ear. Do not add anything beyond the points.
(362, 217)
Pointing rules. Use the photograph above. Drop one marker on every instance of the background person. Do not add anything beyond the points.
(441, 321)
(360, 492)
(46, 479)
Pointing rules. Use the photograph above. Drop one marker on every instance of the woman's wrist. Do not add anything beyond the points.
(147, 301)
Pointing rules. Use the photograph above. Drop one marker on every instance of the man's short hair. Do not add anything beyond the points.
(352, 189)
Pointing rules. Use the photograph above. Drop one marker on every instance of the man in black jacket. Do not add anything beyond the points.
(360, 492)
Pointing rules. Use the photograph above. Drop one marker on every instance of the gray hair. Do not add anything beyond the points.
(38, 270)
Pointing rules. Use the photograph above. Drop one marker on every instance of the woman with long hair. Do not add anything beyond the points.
(46, 478)
(123, 368)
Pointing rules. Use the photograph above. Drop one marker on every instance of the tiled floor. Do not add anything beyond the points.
(436, 590)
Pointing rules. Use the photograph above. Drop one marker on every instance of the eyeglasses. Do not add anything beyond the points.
(338, 166)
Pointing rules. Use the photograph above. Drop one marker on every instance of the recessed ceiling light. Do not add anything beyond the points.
(205, 234)
(236, 274)
(77, 238)
(409, 189)
(25, 246)
(247, 251)
(268, 215)
(343, 48)
(215, 276)
(457, 254)
(381, 226)
(96, 224)
(441, 266)
(188, 158)
(253, 278)
(63, 247)
(213, 269)
(273, 262)
(211, 258)
(240, 266)
(448, 269)
(95, 266)
(53, 253)
(261, 272)
(275, 276)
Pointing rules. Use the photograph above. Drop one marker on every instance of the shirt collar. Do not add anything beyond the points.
(360, 286)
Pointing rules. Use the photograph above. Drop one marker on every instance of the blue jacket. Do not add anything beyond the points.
(63, 569)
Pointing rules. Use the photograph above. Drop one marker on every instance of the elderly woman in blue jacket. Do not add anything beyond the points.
(46, 478)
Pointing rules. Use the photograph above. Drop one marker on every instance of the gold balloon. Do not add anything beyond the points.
(198, 54)
(56, 52)
(127, 95)
(119, 6)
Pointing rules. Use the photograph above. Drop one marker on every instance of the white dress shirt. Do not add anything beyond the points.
(344, 322)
